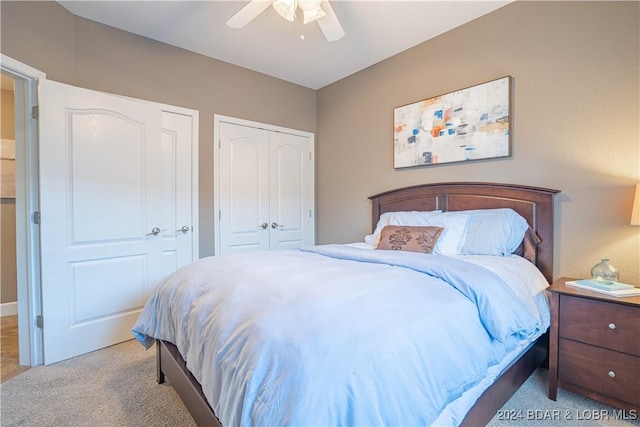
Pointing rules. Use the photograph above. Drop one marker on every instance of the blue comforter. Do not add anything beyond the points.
(335, 335)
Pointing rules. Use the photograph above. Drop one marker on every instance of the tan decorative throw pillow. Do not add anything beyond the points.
(412, 239)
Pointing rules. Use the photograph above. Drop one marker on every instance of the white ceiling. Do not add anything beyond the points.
(375, 30)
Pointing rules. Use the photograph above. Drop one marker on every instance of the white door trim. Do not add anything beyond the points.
(217, 119)
(27, 233)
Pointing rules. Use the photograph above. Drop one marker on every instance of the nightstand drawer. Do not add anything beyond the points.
(608, 372)
(613, 326)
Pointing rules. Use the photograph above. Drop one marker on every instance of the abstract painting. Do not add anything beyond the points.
(468, 124)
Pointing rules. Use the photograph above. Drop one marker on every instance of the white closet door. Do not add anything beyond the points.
(109, 184)
(264, 185)
(178, 190)
(291, 189)
(243, 188)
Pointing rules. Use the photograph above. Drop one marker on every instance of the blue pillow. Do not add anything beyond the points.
(493, 232)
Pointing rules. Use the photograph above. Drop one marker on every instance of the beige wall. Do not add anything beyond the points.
(575, 112)
(83, 53)
(575, 68)
(8, 291)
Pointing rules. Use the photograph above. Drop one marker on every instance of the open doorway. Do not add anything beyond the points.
(9, 362)
(21, 242)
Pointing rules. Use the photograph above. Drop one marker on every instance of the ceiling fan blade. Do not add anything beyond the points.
(329, 24)
(248, 13)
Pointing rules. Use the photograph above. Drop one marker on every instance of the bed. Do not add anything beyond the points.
(267, 373)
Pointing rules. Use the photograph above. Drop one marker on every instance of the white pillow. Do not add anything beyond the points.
(416, 218)
(492, 232)
(450, 240)
(455, 226)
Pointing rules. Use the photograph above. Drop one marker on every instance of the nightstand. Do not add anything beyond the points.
(594, 345)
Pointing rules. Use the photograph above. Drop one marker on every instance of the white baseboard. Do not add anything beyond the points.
(8, 309)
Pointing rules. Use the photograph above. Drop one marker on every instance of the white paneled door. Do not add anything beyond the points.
(115, 192)
(291, 223)
(265, 189)
(244, 188)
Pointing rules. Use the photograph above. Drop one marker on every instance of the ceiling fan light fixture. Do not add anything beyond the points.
(286, 9)
(313, 14)
(311, 9)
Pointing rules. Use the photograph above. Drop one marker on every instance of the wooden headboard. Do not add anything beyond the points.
(534, 204)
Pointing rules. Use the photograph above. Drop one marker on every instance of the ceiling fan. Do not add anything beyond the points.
(313, 10)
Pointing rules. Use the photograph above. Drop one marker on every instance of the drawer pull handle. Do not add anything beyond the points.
(612, 374)
(612, 325)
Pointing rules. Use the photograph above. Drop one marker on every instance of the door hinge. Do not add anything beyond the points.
(39, 321)
(219, 214)
(36, 217)
(35, 112)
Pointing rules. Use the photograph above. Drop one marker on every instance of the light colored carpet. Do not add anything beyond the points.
(116, 387)
(530, 406)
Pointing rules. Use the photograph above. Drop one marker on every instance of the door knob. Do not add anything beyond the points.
(275, 225)
(264, 226)
(185, 229)
(156, 231)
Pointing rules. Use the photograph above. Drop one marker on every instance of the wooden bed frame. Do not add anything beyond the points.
(534, 204)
